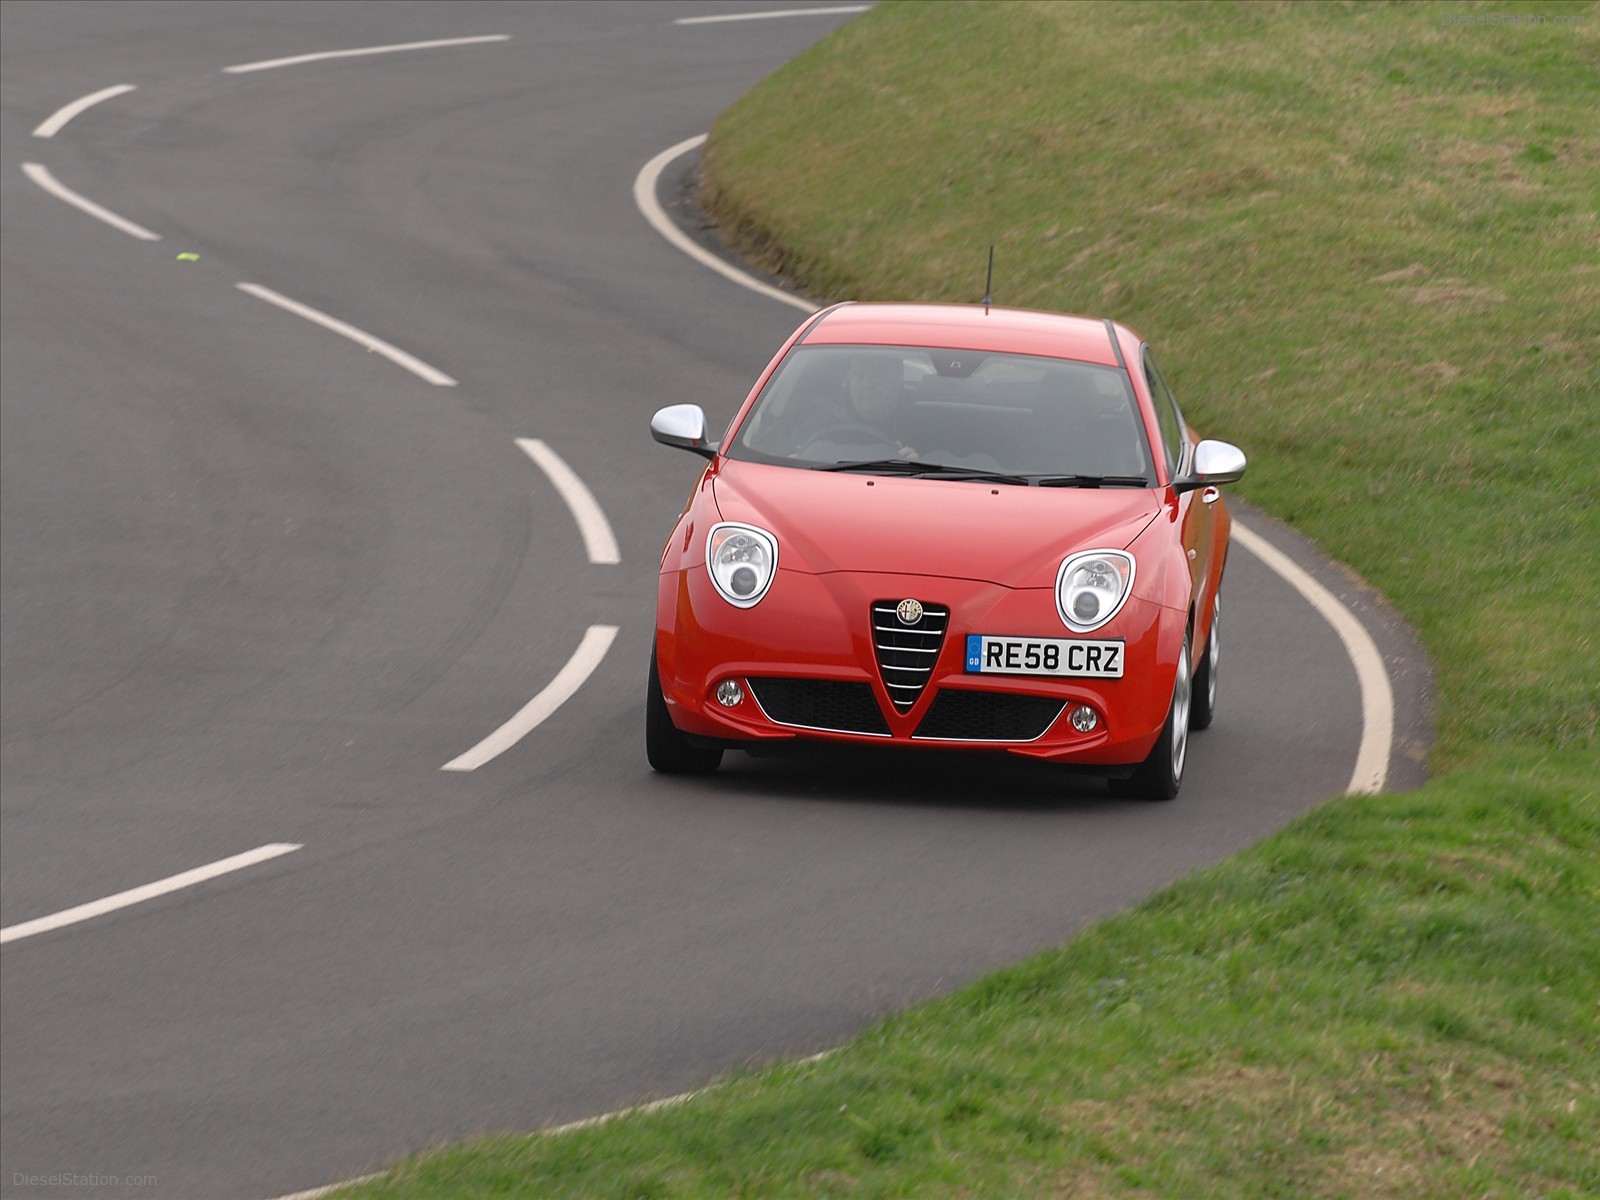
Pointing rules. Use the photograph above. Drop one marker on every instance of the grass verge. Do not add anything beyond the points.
(1365, 238)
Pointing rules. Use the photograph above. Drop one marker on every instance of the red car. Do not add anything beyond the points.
(944, 526)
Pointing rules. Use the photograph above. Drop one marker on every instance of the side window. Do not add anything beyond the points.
(1167, 414)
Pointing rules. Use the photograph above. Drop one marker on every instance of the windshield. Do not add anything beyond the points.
(960, 413)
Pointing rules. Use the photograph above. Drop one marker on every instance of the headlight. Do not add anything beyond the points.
(1092, 587)
(742, 561)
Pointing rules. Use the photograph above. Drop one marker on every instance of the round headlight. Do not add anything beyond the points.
(1092, 586)
(742, 561)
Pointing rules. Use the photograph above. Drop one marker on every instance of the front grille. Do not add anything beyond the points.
(906, 653)
(971, 716)
(825, 704)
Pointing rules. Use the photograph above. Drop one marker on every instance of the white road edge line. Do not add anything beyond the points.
(656, 1105)
(377, 345)
(1377, 696)
(568, 680)
(317, 1193)
(149, 891)
(41, 176)
(53, 124)
(558, 1130)
(635, 1110)
(644, 196)
(597, 537)
(777, 12)
(273, 63)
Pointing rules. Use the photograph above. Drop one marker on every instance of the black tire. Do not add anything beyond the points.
(1203, 709)
(669, 749)
(1161, 774)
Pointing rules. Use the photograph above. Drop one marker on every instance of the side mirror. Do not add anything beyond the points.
(1213, 463)
(683, 426)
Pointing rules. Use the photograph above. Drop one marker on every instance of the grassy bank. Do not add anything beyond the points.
(1365, 242)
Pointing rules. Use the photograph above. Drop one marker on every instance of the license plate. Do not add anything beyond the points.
(1043, 656)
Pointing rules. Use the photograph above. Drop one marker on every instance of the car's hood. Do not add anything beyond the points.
(1001, 533)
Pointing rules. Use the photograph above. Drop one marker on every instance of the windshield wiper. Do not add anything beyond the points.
(924, 470)
(902, 465)
(1090, 481)
(927, 470)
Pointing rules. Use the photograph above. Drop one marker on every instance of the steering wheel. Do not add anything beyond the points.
(837, 433)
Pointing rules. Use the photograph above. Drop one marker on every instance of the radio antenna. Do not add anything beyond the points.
(988, 284)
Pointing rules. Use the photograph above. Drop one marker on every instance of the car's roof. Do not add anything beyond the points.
(966, 327)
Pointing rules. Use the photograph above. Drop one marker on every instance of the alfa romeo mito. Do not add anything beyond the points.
(946, 527)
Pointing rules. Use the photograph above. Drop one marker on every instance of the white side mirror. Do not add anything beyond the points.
(683, 426)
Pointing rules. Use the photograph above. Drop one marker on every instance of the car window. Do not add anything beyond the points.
(1173, 434)
(1011, 413)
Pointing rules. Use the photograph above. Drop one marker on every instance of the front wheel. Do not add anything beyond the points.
(1160, 775)
(666, 746)
(1204, 708)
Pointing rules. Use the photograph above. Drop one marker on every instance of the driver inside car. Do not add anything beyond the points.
(872, 390)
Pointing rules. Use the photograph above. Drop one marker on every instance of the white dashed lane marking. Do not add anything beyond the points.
(138, 895)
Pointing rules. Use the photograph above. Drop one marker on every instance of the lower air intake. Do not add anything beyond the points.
(972, 716)
(828, 705)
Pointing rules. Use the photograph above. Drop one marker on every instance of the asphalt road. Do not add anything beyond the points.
(260, 584)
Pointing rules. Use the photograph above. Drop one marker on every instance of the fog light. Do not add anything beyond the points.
(729, 693)
(1084, 719)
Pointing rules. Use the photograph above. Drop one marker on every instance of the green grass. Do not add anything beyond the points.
(1366, 246)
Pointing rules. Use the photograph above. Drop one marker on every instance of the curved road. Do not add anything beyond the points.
(262, 582)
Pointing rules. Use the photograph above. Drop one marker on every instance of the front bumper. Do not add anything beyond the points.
(808, 668)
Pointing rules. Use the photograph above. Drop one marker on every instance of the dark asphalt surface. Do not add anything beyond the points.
(258, 585)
